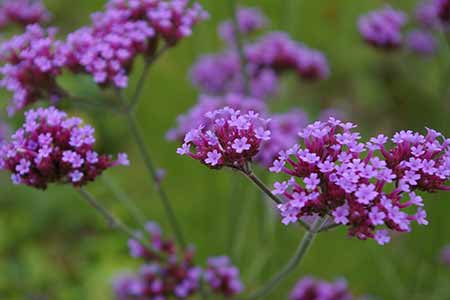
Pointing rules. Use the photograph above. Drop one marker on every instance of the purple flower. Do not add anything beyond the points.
(23, 12)
(382, 28)
(249, 20)
(213, 158)
(445, 255)
(35, 154)
(310, 288)
(422, 42)
(222, 277)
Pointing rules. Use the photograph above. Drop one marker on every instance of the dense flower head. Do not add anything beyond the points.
(221, 73)
(31, 64)
(279, 52)
(443, 11)
(310, 288)
(164, 273)
(196, 116)
(222, 277)
(249, 20)
(369, 187)
(425, 14)
(445, 255)
(284, 129)
(422, 42)
(53, 148)
(383, 28)
(173, 20)
(22, 12)
(228, 139)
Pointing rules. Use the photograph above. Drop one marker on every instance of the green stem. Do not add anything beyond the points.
(302, 249)
(135, 132)
(112, 221)
(239, 45)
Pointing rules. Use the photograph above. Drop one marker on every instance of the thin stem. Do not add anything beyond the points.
(135, 132)
(112, 221)
(140, 85)
(329, 227)
(239, 45)
(302, 249)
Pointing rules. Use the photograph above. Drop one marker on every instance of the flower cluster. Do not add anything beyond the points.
(173, 20)
(284, 129)
(52, 148)
(279, 52)
(347, 179)
(383, 28)
(22, 12)
(443, 11)
(422, 42)
(196, 116)
(310, 288)
(222, 277)
(168, 275)
(229, 138)
(32, 62)
(249, 20)
(445, 255)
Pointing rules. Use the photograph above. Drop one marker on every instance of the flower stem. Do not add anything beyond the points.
(135, 132)
(239, 45)
(302, 249)
(112, 221)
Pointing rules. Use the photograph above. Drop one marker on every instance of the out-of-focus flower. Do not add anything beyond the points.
(310, 288)
(228, 139)
(222, 277)
(52, 148)
(5, 131)
(32, 62)
(443, 11)
(196, 116)
(422, 42)
(249, 20)
(383, 28)
(445, 255)
(333, 173)
(426, 14)
(284, 129)
(173, 20)
(22, 12)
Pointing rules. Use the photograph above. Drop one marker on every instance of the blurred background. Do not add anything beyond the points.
(53, 246)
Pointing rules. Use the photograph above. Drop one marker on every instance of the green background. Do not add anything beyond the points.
(53, 246)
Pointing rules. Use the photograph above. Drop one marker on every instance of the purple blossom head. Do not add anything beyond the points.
(422, 42)
(443, 11)
(31, 65)
(364, 186)
(382, 28)
(196, 116)
(249, 20)
(284, 129)
(222, 277)
(310, 288)
(229, 139)
(23, 12)
(279, 52)
(445, 255)
(426, 14)
(52, 148)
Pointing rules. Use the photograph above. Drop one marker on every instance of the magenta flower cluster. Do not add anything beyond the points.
(368, 187)
(310, 288)
(52, 148)
(168, 273)
(421, 42)
(229, 139)
(383, 28)
(223, 277)
(32, 62)
(196, 116)
(22, 12)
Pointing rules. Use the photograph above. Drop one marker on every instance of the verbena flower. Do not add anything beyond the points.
(383, 28)
(421, 42)
(368, 187)
(229, 139)
(279, 52)
(50, 147)
(22, 12)
(173, 20)
(426, 14)
(310, 288)
(31, 64)
(222, 277)
(284, 129)
(163, 274)
(443, 11)
(249, 20)
(445, 255)
(196, 115)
